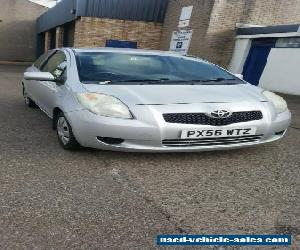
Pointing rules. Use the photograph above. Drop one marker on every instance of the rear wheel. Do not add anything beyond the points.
(28, 101)
(65, 135)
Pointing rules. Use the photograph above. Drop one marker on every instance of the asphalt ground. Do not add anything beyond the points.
(89, 199)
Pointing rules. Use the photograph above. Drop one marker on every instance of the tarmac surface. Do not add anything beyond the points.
(54, 199)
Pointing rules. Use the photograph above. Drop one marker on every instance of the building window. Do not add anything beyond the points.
(288, 42)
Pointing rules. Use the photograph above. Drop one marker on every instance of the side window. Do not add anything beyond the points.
(53, 65)
(40, 60)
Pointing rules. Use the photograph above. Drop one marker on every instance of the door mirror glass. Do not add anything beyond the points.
(239, 76)
(39, 76)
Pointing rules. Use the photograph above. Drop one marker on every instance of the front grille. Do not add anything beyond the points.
(211, 141)
(204, 119)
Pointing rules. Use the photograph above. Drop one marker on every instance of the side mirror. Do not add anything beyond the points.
(239, 76)
(39, 76)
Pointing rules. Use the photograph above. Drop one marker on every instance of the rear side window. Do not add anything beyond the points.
(40, 60)
(54, 62)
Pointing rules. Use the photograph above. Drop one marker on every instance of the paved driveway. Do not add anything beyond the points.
(54, 199)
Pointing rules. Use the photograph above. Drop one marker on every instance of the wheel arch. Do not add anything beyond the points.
(55, 113)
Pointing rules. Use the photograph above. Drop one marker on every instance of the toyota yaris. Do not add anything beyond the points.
(139, 100)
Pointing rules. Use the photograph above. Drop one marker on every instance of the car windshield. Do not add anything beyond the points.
(122, 68)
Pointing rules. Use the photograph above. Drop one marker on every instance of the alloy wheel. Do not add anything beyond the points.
(63, 130)
(26, 98)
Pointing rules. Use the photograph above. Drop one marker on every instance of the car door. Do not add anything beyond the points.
(49, 90)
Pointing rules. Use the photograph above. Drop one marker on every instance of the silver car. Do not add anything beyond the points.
(152, 101)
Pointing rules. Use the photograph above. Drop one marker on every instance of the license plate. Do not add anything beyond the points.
(222, 132)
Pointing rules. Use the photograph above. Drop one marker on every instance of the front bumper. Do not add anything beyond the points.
(147, 135)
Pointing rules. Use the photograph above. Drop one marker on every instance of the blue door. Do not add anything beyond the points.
(121, 44)
(257, 59)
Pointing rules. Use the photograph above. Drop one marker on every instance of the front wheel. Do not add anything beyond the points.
(65, 135)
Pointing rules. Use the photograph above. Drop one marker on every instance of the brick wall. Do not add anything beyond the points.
(213, 23)
(199, 22)
(47, 40)
(59, 37)
(93, 32)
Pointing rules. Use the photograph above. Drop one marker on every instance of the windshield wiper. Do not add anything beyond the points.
(164, 80)
(219, 79)
(142, 80)
(223, 81)
(133, 80)
(158, 81)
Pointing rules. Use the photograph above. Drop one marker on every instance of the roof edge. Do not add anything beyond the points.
(274, 29)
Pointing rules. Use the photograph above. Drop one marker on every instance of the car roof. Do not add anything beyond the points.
(125, 50)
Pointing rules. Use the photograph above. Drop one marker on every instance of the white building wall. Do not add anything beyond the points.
(282, 71)
(240, 53)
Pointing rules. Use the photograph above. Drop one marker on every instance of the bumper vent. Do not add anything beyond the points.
(204, 119)
(211, 141)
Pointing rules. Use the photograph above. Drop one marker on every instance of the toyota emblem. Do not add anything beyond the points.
(220, 114)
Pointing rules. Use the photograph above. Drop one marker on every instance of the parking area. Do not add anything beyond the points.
(54, 199)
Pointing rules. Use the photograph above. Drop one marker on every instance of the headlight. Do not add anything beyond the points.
(278, 101)
(105, 105)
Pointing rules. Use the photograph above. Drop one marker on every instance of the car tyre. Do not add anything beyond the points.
(65, 134)
(28, 101)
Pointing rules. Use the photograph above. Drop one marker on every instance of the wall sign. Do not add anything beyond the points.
(185, 16)
(180, 41)
(186, 13)
(183, 23)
